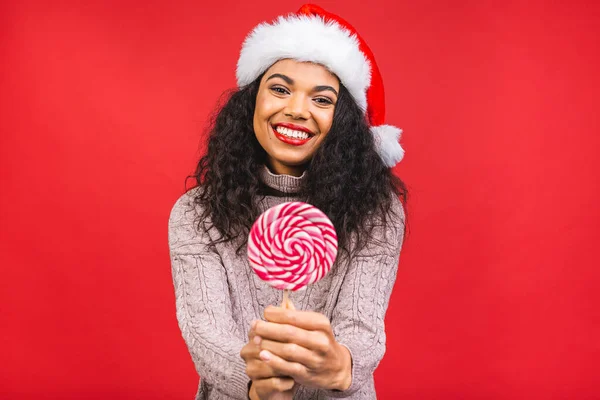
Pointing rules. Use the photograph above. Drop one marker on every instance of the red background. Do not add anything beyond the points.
(101, 110)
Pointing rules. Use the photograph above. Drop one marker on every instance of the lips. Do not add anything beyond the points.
(292, 134)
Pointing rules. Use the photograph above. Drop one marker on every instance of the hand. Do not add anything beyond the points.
(266, 383)
(301, 345)
(272, 389)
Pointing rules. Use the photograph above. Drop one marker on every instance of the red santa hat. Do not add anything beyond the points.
(315, 35)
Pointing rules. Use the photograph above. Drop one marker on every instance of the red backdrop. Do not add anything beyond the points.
(101, 110)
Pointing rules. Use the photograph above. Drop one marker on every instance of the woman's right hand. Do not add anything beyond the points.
(266, 385)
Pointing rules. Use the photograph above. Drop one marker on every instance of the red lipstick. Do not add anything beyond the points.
(294, 127)
(289, 140)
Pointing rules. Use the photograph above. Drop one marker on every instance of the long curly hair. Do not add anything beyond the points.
(346, 178)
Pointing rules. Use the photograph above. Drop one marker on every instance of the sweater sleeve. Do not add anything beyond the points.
(358, 317)
(203, 304)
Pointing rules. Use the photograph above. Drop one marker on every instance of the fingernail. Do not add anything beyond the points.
(253, 324)
(257, 339)
(265, 355)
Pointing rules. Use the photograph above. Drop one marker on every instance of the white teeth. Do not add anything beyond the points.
(292, 133)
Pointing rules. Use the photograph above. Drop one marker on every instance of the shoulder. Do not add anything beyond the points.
(185, 208)
(391, 219)
(396, 214)
(385, 230)
(183, 218)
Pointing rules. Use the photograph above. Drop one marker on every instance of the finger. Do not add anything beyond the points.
(251, 349)
(266, 387)
(283, 333)
(292, 352)
(294, 370)
(309, 320)
(258, 369)
(312, 340)
(249, 352)
(251, 330)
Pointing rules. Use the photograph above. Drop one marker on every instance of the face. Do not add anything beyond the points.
(294, 113)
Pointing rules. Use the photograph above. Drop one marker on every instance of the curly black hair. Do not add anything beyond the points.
(346, 178)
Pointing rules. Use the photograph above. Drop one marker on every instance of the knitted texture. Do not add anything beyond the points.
(218, 296)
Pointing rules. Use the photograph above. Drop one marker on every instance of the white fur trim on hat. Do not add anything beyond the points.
(306, 38)
(387, 144)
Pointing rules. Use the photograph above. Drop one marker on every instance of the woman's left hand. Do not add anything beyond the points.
(301, 344)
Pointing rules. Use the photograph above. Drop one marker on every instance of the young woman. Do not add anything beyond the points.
(304, 125)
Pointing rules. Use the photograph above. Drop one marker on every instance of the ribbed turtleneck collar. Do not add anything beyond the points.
(282, 183)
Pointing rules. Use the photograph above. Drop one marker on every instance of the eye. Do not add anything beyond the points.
(279, 90)
(323, 101)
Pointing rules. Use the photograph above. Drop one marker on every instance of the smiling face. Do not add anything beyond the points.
(294, 112)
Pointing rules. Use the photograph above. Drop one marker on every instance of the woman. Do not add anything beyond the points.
(304, 125)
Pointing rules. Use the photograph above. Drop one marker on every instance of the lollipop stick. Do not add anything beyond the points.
(287, 303)
(286, 298)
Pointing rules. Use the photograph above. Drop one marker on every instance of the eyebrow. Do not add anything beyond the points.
(290, 81)
(323, 88)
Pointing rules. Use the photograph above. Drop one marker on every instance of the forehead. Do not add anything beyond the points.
(304, 73)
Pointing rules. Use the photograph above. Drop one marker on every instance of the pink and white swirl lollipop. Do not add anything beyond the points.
(292, 245)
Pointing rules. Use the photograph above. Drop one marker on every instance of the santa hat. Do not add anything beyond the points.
(315, 35)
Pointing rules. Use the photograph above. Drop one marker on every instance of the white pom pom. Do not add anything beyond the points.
(387, 143)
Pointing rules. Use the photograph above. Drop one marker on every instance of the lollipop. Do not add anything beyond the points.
(292, 245)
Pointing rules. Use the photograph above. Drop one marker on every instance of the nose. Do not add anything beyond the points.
(297, 107)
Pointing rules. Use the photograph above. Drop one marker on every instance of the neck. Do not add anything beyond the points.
(281, 183)
(281, 169)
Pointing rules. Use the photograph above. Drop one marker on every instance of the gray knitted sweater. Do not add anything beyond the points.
(218, 295)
